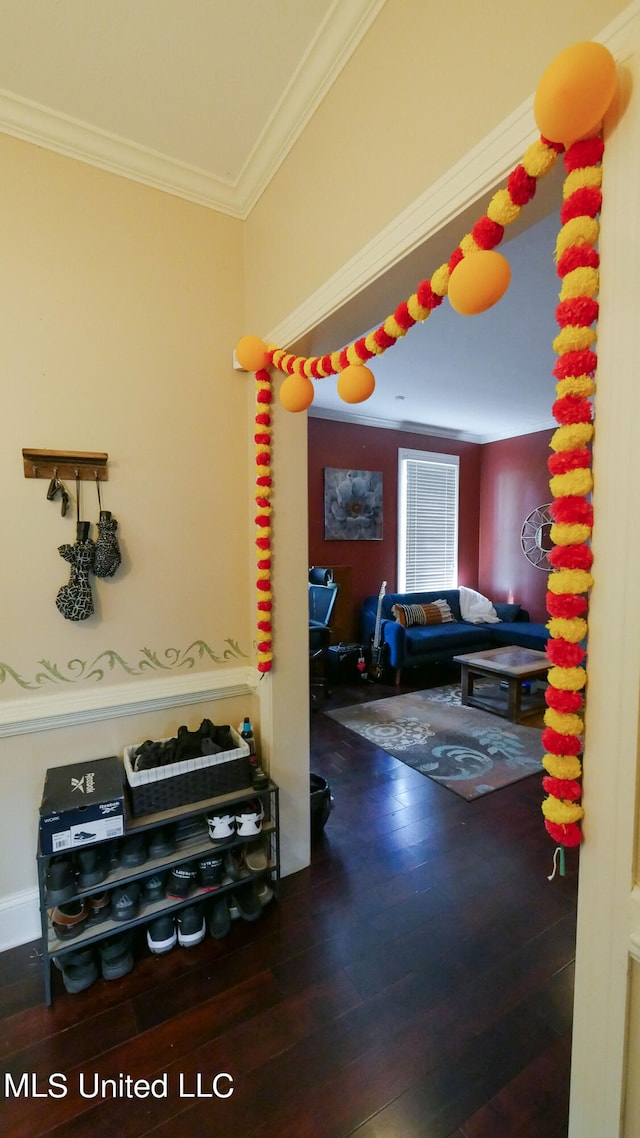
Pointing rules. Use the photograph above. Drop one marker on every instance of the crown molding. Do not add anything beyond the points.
(338, 37)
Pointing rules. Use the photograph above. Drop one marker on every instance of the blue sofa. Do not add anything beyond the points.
(435, 643)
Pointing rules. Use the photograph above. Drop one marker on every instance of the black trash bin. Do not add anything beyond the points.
(321, 805)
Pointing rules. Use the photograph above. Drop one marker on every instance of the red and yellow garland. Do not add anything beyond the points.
(571, 484)
(264, 487)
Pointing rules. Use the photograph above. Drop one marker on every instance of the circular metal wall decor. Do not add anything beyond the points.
(535, 537)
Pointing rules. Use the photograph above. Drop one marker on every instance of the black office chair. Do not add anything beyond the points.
(322, 598)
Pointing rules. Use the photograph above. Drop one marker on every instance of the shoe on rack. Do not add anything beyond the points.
(220, 919)
(93, 866)
(247, 902)
(232, 866)
(162, 842)
(221, 825)
(116, 956)
(98, 907)
(60, 882)
(79, 969)
(154, 887)
(161, 934)
(133, 850)
(69, 920)
(180, 880)
(249, 819)
(210, 871)
(259, 778)
(265, 892)
(125, 902)
(256, 856)
(191, 926)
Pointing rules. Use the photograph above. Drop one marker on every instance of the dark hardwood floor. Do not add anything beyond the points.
(414, 982)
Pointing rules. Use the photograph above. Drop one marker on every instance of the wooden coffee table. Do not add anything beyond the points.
(512, 664)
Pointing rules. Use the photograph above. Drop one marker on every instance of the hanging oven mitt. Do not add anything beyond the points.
(75, 600)
(108, 555)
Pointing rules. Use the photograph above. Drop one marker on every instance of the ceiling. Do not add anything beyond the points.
(204, 99)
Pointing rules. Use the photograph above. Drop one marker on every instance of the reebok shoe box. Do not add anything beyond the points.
(81, 804)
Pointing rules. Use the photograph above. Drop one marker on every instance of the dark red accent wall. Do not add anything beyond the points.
(350, 447)
(514, 481)
(500, 483)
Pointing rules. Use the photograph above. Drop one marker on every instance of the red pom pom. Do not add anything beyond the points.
(564, 653)
(566, 605)
(427, 298)
(586, 152)
(263, 503)
(363, 351)
(315, 369)
(263, 373)
(558, 744)
(264, 606)
(262, 439)
(572, 510)
(263, 459)
(263, 419)
(456, 257)
(565, 702)
(343, 360)
(565, 460)
(264, 563)
(565, 788)
(264, 480)
(263, 520)
(383, 339)
(582, 362)
(487, 233)
(265, 666)
(557, 146)
(263, 542)
(521, 186)
(403, 317)
(568, 834)
(571, 557)
(581, 310)
(577, 257)
(264, 646)
(264, 395)
(264, 625)
(327, 366)
(572, 409)
(263, 585)
(585, 202)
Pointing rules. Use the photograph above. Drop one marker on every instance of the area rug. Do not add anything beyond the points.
(469, 751)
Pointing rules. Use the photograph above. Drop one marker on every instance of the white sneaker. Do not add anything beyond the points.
(249, 819)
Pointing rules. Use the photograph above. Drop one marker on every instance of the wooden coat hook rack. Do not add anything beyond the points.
(87, 465)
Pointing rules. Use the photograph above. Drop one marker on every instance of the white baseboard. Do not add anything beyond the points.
(19, 919)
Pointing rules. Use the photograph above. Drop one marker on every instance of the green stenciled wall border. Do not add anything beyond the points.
(76, 670)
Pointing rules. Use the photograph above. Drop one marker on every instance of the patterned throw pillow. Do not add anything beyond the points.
(438, 612)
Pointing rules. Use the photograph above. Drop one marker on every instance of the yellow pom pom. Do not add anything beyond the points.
(572, 436)
(573, 338)
(251, 353)
(581, 385)
(565, 724)
(539, 158)
(573, 629)
(561, 812)
(579, 282)
(562, 766)
(356, 383)
(440, 280)
(567, 679)
(569, 535)
(478, 282)
(393, 329)
(469, 245)
(416, 310)
(578, 231)
(502, 209)
(575, 482)
(335, 361)
(583, 177)
(570, 581)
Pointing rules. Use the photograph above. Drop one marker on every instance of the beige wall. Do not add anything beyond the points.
(428, 82)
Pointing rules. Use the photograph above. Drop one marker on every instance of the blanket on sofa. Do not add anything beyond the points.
(475, 608)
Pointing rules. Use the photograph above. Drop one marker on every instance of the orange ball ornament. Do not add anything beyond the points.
(478, 281)
(251, 353)
(356, 383)
(575, 92)
(296, 392)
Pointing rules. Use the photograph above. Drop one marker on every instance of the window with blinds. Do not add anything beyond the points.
(427, 520)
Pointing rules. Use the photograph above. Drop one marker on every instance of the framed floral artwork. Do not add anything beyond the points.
(352, 505)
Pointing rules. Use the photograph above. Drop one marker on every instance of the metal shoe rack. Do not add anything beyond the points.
(195, 843)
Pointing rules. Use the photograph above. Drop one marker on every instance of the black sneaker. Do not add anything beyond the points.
(161, 934)
(180, 880)
(162, 841)
(93, 867)
(210, 870)
(116, 956)
(79, 969)
(247, 902)
(220, 919)
(60, 882)
(125, 902)
(191, 926)
(154, 887)
(133, 850)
